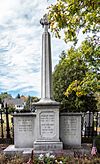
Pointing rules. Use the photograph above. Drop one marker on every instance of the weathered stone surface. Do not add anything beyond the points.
(47, 146)
(12, 150)
(47, 125)
(24, 130)
(46, 65)
(70, 129)
(47, 120)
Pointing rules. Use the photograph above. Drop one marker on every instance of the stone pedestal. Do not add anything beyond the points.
(70, 129)
(47, 125)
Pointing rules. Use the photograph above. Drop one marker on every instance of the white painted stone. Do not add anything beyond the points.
(70, 129)
(24, 130)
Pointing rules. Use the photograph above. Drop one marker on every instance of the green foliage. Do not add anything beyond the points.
(4, 95)
(97, 96)
(11, 109)
(76, 77)
(89, 57)
(29, 103)
(71, 16)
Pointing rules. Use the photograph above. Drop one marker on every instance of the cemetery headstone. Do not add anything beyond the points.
(70, 129)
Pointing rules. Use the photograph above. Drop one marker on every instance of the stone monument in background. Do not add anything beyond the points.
(39, 131)
(47, 110)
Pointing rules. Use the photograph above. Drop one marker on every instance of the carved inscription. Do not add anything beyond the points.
(47, 124)
(24, 125)
(70, 125)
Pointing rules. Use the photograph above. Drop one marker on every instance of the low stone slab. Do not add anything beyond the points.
(12, 150)
(47, 146)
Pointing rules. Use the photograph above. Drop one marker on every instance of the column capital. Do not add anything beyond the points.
(45, 23)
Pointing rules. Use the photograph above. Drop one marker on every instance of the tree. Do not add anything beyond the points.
(11, 108)
(73, 16)
(75, 78)
(18, 96)
(87, 53)
(29, 102)
(97, 95)
(4, 95)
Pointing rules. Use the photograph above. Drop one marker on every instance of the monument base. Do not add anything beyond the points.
(12, 150)
(47, 125)
(47, 146)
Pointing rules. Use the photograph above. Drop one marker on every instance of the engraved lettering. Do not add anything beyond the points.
(47, 124)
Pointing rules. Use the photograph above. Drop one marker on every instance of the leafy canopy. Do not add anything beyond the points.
(71, 16)
(4, 95)
(76, 78)
(87, 54)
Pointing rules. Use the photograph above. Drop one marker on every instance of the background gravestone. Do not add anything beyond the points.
(24, 130)
(70, 129)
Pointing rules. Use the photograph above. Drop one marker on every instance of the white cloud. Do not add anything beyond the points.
(20, 45)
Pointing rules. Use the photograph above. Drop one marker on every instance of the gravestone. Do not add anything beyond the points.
(24, 134)
(70, 129)
(24, 130)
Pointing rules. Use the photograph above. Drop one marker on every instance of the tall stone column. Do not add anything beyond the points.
(47, 110)
(46, 65)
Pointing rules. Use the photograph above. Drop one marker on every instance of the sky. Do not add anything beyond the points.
(20, 46)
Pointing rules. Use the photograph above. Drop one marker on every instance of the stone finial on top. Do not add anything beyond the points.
(44, 22)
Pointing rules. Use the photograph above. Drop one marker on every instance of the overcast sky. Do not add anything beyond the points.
(20, 46)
